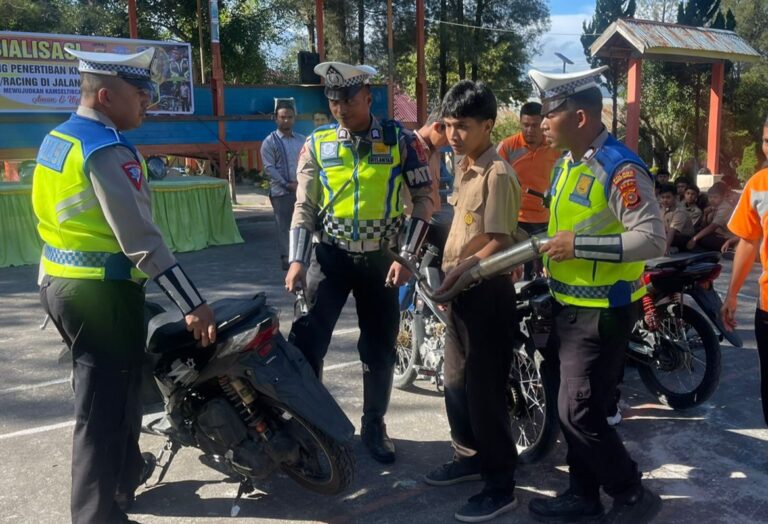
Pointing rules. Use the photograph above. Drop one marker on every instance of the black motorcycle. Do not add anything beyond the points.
(675, 347)
(250, 402)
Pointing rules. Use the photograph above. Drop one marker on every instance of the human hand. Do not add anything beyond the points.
(560, 247)
(728, 312)
(292, 186)
(691, 244)
(296, 278)
(397, 275)
(202, 323)
(517, 274)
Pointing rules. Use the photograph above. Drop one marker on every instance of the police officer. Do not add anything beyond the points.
(605, 222)
(349, 180)
(92, 201)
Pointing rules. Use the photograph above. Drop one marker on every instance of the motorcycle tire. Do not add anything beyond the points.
(649, 373)
(339, 456)
(537, 440)
(407, 354)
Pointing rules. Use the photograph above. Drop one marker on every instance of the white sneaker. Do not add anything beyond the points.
(614, 419)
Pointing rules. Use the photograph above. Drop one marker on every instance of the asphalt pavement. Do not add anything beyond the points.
(710, 463)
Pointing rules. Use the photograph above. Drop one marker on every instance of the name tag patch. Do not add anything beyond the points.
(380, 159)
(53, 152)
(580, 193)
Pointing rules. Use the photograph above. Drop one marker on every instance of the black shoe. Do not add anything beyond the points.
(375, 438)
(124, 501)
(453, 472)
(486, 505)
(639, 508)
(568, 507)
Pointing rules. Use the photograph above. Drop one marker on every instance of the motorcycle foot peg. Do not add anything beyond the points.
(246, 486)
(164, 459)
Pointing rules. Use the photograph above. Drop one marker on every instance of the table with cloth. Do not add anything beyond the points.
(191, 212)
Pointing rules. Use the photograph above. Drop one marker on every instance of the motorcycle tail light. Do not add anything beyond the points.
(706, 280)
(264, 334)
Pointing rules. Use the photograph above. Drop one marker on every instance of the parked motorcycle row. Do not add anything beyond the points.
(252, 404)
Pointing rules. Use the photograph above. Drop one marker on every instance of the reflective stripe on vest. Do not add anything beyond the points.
(368, 188)
(580, 204)
(70, 220)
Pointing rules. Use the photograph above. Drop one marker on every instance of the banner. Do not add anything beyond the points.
(37, 75)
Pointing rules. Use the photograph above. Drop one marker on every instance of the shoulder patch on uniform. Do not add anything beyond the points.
(626, 182)
(53, 152)
(421, 152)
(133, 170)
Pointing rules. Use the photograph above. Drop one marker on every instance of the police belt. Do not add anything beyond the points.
(116, 266)
(356, 246)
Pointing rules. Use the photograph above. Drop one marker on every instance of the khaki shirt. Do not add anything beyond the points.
(721, 217)
(486, 199)
(677, 218)
(695, 213)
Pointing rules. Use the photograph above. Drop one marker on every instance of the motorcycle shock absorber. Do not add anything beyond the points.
(242, 396)
(649, 312)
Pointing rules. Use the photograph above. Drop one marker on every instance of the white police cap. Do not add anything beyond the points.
(343, 81)
(554, 89)
(135, 68)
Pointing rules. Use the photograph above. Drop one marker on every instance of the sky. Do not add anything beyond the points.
(563, 36)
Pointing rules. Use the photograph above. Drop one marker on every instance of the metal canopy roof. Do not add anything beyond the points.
(633, 38)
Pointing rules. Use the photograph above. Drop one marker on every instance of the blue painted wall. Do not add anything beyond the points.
(22, 130)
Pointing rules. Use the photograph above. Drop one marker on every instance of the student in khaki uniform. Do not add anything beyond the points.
(677, 221)
(481, 320)
(714, 232)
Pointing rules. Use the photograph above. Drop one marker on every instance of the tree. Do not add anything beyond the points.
(657, 10)
(607, 12)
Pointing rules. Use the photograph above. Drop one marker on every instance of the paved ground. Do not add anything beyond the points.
(710, 463)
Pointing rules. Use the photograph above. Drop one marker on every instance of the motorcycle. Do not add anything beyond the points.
(250, 402)
(532, 386)
(675, 347)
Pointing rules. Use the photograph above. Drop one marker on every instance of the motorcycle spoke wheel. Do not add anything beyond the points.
(405, 363)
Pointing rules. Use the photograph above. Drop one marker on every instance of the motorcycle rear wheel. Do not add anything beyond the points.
(677, 386)
(532, 400)
(326, 466)
(407, 354)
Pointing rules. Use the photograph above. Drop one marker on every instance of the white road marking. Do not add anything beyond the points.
(68, 424)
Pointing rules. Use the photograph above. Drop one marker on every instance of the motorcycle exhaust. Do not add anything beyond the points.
(490, 267)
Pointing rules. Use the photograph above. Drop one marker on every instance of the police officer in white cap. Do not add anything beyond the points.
(349, 180)
(605, 222)
(92, 201)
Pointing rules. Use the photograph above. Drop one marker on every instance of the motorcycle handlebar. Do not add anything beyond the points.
(490, 267)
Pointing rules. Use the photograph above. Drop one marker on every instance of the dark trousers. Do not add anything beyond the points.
(680, 240)
(332, 274)
(103, 325)
(283, 208)
(534, 267)
(592, 343)
(761, 334)
(712, 242)
(478, 356)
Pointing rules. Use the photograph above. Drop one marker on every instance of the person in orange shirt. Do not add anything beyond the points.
(533, 160)
(750, 223)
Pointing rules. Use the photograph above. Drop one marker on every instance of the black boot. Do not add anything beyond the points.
(568, 507)
(377, 387)
(638, 508)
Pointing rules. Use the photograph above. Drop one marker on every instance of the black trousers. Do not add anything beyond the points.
(333, 274)
(591, 344)
(478, 355)
(761, 334)
(283, 209)
(102, 322)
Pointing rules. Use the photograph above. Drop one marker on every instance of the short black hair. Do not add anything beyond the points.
(530, 109)
(663, 171)
(667, 188)
(324, 113)
(718, 188)
(589, 100)
(682, 180)
(468, 99)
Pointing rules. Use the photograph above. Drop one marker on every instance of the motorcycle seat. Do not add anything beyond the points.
(682, 260)
(168, 331)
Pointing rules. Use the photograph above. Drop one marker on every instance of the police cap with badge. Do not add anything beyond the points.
(136, 68)
(555, 89)
(343, 81)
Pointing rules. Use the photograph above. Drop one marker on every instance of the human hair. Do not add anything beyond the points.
(667, 188)
(682, 180)
(590, 100)
(663, 171)
(468, 99)
(718, 188)
(434, 116)
(324, 113)
(695, 189)
(90, 83)
(530, 109)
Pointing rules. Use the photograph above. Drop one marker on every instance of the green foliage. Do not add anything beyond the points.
(749, 163)
(507, 124)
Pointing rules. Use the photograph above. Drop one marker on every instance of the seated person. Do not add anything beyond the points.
(690, 202)
(714, 232)
(681, 184)
(676, 219)
(662, 175)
